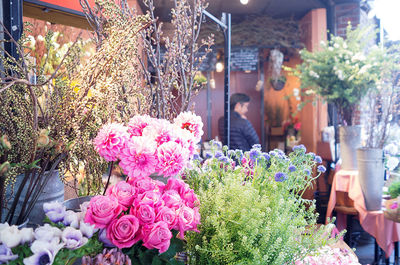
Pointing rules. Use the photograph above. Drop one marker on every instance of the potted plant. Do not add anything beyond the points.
(341, 72)
(378, 113)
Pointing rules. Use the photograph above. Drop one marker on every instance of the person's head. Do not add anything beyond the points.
(240, 103)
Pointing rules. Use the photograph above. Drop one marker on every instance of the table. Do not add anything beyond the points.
(385, 232)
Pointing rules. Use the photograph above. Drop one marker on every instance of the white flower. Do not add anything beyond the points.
(322, 43)
(336, 45)
(330, 49)
(40, 38)
(344, 45)
(43, 251)
(391, 149)
(309, 92)
(339, 74)
(313, 74)
(4, 226)
(298, 98)
(71, 218)
(392, 163)
(73, 238)
(26, 235)
(47, 233)
(11, 237)
(87, 229)
(364, 68)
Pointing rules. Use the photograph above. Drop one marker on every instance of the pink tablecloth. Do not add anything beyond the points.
(386, 232)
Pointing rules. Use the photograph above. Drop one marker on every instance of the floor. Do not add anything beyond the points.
(365, 247)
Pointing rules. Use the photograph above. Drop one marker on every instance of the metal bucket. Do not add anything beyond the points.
(371, 176)
(350, 140)
(53, 191)
(75, 203)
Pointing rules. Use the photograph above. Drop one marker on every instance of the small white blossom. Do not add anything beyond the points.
(11, 237)
(392, 163)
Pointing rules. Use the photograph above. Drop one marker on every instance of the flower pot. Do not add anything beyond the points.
(371, 176)
(350, 140)
(52, 191)
(75, 203)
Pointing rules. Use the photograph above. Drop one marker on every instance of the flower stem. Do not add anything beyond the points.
(109, 176)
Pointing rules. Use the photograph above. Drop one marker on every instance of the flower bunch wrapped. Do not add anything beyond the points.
(148, 145)
(144, 210)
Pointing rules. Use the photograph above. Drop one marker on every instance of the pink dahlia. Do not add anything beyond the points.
(137, 124)
(160, 130)
(190, 122)
(138, 157)
(110, 140)
(186, 140)
(171, 158)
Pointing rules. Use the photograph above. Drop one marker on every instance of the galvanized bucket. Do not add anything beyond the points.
(350, 140)
(53, 191)
(371, 176)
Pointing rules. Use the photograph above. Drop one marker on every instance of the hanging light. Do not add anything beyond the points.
(244, 2)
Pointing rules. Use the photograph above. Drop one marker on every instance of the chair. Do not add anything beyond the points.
(345, 205)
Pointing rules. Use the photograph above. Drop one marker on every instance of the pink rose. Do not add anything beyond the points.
(190, 198)
(172, 199)
(157, 236)
(101, 211)
(152, 198)
(124, 232)
(143, 184)
(188, 219)
(167, 215)
(177, 185)
(145, 213)
(124, 192)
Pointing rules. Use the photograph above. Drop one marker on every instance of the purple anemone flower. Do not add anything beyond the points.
(6, 254)
(55, 211)
(73, 238)
(44, 252)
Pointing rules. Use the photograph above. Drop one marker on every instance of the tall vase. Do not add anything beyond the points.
(52, 191)
(371, 176)
(350, 140)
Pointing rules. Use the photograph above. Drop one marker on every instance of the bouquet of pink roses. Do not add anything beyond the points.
(148, 145)
(142, 216)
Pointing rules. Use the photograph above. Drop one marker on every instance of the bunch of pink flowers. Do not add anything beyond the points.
(144, 210)
(148, 145)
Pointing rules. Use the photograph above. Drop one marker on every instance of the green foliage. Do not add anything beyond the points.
(394, 189)
(247, 216)
(343, 70)
(22, 251)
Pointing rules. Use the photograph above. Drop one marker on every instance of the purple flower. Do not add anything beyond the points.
(312, 155)
(318, 159)
(43, 252)
(71, 218)
(218, 154)
(197, 157)
(256, 146)
(208, 155)
(279, 177)
(73, 238)
(239, 154)
(87, 229)
(47, 233)
(292, 168)
(223, 159)
(6, 254)
(55, 211)
(216, 144)
(301, 148)
(321, 169)
(266, 156)
(254, 154)
(231, 153)
(307, 171)
(273, 153)
(103, 238)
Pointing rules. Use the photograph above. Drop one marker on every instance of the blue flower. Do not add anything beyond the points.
(256, 146)
(292, 168)
(197, 157)
(231, 153)
(273, 153)
(321, 169)
(307, 171)
(239, 154)
(223, 159)
(279, 177)
(6, 254)
(300, 148)
(218, 154)
(208, 155)
(216, 144)
(318, 159)
(280, 153)
(254, 154)
(312, 155)
(266, 156)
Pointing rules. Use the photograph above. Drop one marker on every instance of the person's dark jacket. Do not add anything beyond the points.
(242, 134)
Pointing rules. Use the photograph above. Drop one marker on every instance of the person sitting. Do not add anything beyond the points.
(242, 133)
